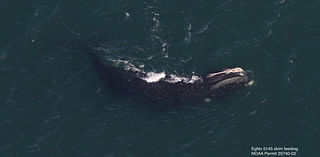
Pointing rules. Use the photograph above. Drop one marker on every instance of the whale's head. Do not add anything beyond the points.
(227, 81)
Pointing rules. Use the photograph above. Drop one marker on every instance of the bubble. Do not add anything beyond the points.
(250, 83)
(207, 100)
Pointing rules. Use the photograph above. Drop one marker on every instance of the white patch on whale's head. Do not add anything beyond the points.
(238, 70)
(228, 79)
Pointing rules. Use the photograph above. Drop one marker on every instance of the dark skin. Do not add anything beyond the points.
(160, 93)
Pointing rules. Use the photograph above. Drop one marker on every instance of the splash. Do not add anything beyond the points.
(151, 77)
(154, 77)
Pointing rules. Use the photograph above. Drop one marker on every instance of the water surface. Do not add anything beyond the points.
(53, 103)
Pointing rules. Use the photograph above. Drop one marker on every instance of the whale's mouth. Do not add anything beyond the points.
(228, 78)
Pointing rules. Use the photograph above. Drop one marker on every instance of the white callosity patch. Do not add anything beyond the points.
(227, 71)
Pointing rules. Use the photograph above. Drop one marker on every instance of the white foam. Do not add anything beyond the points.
(175, 79)
(127, 65)
(127, 14)
(154, 77)
(194, 78)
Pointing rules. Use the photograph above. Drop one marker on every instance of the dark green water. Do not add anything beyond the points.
(54, 104)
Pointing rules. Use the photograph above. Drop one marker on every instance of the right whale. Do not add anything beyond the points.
(166, 89)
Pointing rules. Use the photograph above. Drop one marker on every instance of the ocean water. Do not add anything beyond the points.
(53, 102)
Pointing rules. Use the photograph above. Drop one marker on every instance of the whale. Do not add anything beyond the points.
(161, 88)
